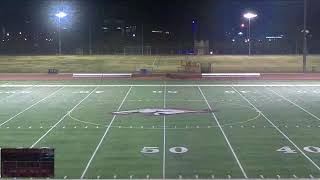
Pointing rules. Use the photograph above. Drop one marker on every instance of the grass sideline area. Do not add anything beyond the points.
(256, 131)
(109, 63)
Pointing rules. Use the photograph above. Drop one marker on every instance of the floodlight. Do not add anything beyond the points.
(61, 14)
(250, 15)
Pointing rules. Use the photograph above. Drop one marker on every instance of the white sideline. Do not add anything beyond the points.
(164, 136)
(5, 122)
(168, 85)
(295, 104)
(45, 134)
(282, 133)
(101, 75)
(104, 135)
(222, 75)
(223, 133)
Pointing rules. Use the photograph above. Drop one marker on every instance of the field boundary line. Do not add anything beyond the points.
(164, 137)
(31, 106)
(104, 135)
(295, 104)
(168, 85)
(223, 133)
(278, 129)
(55, 125)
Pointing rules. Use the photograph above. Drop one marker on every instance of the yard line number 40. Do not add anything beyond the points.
(154, 150)
(289, 150)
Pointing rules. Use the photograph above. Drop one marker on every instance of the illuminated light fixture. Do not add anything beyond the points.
(61, 14)
(250, 15)
(156, 31)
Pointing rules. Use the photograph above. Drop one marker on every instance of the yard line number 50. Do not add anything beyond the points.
(310, 149)
(154, 150)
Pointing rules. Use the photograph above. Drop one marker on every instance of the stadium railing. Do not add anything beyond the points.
(231, 75)
(102, 75)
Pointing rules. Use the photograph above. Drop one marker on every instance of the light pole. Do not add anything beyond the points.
(249, 16)
(305, 33)
(60, 15)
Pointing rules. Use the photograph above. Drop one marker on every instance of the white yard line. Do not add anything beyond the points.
(3, 123)
(104, 135)
(295, 104)
(168, 85)
(224, 135)
(45, 134)
(278, 129)
(164, 137)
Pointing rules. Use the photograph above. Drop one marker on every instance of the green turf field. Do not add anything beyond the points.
(118, 63)
(255, 131)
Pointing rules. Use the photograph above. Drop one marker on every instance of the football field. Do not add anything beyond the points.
(167, 130)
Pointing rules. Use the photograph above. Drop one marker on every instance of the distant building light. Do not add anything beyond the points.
(274, 37)
(211, 52)
(156, 31)
(8, 34)
(119, 28)
(167, 32)
(242, 25)
(233, 40)
(25, 39)
(240, 33)
(133, 35)
(105, 28)
(20, 33)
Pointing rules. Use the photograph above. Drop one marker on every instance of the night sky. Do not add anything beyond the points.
(214, 17)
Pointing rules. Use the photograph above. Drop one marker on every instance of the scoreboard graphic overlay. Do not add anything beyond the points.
(27, 163)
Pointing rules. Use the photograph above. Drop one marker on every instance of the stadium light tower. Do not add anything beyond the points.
(60, 15)
(249, 16)
(305, 33)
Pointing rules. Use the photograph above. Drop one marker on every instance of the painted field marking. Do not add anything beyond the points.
(164, 136)
(55, 125)
(104, 135)
(168, 85)
(30, 107)
(223, 133)
(295, 104)
(277, 128)
(11, 95)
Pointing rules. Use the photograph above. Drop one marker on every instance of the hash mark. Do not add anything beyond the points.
(294, 176)
(310, 175)
(278, 176)
(261, 176)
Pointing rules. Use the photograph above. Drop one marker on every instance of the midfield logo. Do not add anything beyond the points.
(160, 112)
